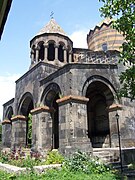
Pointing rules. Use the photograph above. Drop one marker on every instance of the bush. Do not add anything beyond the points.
(54, 157)
(82, 162)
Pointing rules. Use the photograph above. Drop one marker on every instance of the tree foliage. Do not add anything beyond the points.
(124, 12)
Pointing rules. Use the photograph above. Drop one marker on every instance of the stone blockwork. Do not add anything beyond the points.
(18, 131)
(69, 96)
(42, 128)
(6, 133)
(73, 124)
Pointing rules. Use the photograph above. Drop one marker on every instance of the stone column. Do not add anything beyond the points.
(56, 51)
(6, 133)
(37, 54)
(73, 124)
(45, 52)
(70, 56)
(42, 128)
(32, 57)
(18, 131)
(65, 54)
(113, 109)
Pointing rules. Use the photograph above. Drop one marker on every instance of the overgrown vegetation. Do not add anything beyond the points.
(21, 159)
(79, 166)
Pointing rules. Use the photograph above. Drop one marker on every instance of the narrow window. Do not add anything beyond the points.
(61, 53)
(41, 52)
(51, 52)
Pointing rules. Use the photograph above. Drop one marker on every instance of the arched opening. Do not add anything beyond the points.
(61, 53)
(25, 107)
(51, 52)
(41, 51)
(100, 97)
(9, 113)
(50, 100)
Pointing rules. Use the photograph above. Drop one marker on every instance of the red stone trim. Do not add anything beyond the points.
(41, 109)
(18, 117)
(115, 107)
(6, 121)
(71, 98)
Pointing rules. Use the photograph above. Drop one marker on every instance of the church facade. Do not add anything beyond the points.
(71, 95)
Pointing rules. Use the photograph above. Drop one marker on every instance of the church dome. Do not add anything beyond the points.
(52, 27)
(104, 37)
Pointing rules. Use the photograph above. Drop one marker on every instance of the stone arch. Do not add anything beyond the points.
(51, 50)
(9, 113)
(25, 106)
(49, 97)
(61, 51)
(102, 80)
(41, 50)
(101, 95)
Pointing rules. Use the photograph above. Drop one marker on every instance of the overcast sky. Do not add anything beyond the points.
(25, 19)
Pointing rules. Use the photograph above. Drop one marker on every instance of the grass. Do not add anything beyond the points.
(59, 175)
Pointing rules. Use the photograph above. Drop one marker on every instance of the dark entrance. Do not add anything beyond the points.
(100, 97)
(50, 101)
(25, 108)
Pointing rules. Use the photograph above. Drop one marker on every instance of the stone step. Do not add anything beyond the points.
(105, 154)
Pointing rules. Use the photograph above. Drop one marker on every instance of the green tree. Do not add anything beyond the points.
(0, 132)
(124, 12)
(29, 135)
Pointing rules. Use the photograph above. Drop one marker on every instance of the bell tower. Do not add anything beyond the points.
(51, 45)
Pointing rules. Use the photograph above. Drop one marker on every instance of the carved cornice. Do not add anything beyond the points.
(18, 117)
(72, 98)
(6, 121)
(115, 107)
(42, 109)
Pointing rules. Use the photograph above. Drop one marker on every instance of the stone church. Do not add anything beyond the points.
(71, 94)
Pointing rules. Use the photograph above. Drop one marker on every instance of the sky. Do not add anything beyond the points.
(25, 20)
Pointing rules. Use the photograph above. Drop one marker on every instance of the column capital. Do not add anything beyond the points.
(45, 45)
(56, 45)
(37, 47)
(73, 98)
(70, 52)
(65, 48)
(115, 107)
(18, 117)
(42, 109)
(6, 121)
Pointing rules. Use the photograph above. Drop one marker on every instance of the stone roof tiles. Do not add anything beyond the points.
(51, 27)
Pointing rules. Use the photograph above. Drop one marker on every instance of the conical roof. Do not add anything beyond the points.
(51, 27)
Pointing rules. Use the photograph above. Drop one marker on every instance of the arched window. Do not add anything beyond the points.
(104, 47)
(41, 51)
(51, 52)
(61, 53)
